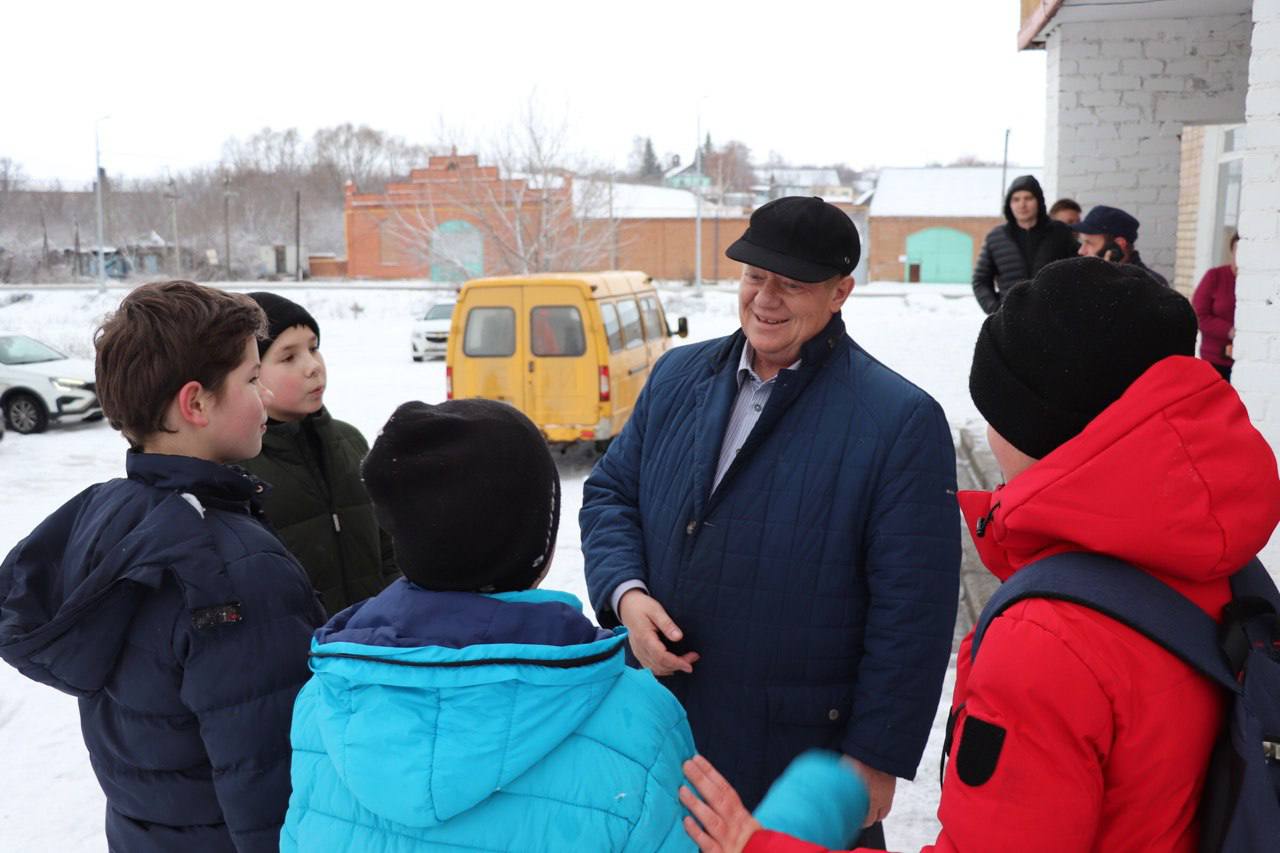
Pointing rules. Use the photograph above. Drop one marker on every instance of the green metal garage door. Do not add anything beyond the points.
(944, 256)
(457, 251)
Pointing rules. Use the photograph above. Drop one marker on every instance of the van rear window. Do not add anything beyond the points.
(490, 333)
(556, 330)
(612, 328)
(630, 316)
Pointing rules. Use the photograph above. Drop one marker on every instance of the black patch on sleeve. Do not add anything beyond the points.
(211, 617)
(980, 745)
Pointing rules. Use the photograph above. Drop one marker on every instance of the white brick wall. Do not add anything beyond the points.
(1119, 94)
(1257, 345)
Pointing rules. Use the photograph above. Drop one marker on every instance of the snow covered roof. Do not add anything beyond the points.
(945, 190)
(642, 201)
(799, 177)
(678, 169)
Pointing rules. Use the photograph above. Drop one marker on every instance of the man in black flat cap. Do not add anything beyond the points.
(776, 525)
(1109, 233)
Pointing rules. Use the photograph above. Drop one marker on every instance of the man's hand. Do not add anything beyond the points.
(723, 824)
(645, 618)
(880, 788)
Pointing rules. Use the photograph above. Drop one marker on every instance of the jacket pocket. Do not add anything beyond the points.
(810, 705)
(801, 717)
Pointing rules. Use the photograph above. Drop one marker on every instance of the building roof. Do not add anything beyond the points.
(945, 190)
(641, 201)
(1042, 17)
(787, 177)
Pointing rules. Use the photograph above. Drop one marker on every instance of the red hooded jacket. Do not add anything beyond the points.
(1107, 735)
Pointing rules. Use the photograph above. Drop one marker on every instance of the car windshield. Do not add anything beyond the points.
(443, 311)
(19, 349)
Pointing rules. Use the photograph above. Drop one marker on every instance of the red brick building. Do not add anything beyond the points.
(927, 225)
(452, 220)
(456, 219)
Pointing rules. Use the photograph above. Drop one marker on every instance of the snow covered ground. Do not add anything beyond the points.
(51, 800)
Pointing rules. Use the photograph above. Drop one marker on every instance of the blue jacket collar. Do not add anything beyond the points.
(223, 486)
(407, 616)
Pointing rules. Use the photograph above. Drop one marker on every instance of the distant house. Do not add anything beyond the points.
(84, 261)
(279, 260)
(927, 224)
(774, 183)
(685, 177)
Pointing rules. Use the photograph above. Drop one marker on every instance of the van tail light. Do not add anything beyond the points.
(604, 383)
(448, 383)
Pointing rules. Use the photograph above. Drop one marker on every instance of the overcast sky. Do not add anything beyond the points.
(865, 82)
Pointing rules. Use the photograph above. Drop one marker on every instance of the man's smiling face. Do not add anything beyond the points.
(779, 315)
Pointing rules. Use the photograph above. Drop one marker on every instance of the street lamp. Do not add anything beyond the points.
(697, 192)
(97, 182)
(226, 220)
(172, 195)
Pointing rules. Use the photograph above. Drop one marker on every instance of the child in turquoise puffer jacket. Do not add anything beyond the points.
(462, 708)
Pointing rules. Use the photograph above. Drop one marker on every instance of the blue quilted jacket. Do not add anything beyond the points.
(818, 582)
(460, 721)
(182, 624)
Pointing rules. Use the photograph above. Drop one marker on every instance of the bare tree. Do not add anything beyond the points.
(729, 166)
(12, 179)
(268, 152)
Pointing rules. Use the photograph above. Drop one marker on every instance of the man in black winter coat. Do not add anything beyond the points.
(1016, 251)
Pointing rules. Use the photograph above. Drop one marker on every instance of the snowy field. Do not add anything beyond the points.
(51, 800)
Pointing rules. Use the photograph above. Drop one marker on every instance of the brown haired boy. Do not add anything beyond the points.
(160, 600)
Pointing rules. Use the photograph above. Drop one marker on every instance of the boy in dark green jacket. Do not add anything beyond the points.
(317, 504)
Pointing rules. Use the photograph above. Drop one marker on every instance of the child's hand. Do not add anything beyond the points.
(723, 824)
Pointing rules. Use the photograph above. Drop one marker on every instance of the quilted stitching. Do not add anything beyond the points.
(831, 559)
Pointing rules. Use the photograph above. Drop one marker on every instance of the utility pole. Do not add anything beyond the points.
(697, 216)
(226, 222)
(44, 244)
(172, 195)
(297, 235)
(97, 181)
(1004, 169)
(613, 227)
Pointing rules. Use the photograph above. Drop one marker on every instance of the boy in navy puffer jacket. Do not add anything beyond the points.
(161, 600)
(461, 708)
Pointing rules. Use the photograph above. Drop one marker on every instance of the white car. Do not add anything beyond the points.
(39, 384)
(431, 334)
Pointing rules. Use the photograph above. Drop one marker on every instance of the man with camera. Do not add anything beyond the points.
(1109, 233)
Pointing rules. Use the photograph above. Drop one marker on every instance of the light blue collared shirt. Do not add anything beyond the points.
(753, 396)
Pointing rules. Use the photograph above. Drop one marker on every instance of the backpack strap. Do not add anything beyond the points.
(1128, 595)
(1252, 617)
(1253, 581)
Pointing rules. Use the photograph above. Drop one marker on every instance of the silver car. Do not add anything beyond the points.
(39, 384)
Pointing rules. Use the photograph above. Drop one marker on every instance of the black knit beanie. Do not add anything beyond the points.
(469, 493)
(281, 314)
(1065, 345)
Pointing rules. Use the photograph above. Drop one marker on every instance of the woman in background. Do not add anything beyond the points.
(1215, 304)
